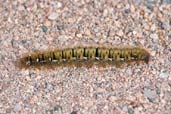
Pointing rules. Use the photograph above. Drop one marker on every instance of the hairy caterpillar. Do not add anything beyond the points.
(80, 56)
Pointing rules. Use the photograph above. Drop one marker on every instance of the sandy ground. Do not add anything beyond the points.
(27, 26)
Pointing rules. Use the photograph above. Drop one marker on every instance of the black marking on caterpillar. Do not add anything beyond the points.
(83, 56)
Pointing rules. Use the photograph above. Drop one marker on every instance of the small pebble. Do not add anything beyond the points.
(87, 32)
(74, 112)
(79, 35)
(96, 30)
(153, 27)
(165, 25)
(49, 111)
(17, 107)
(153, 53)
(127, 10)
(48, 23)
(63, 38)
(57, 108)
(44, 28)
(134, 32)
(105, 12)
(149, 6)
(112, 98)
(165, 1)
(120, 33)
(137, 2)
(21, 8)
(49, 86)
(150, 3)
(53, 16)
(59, 4)
(125, 108)
(164, 73)
(158, 91)
(150, 94)
(130, 111)
(60, 27)
(154, 36)
(146, 26)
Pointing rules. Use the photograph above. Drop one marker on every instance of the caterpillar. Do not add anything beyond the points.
(80, 56)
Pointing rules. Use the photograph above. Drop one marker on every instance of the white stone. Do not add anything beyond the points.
(63, 38)
(53, 16)
(120, 33)
(134, 32)
(105, 12)
(150, 93)
(59, 4)
(164, 73)
(153, 27)
(154, 36)
(112, 98)
(17, 107)
(79, 35)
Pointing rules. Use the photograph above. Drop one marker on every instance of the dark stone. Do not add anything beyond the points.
(73, 112)
(60, 27)
(44, 28)
(127, 11)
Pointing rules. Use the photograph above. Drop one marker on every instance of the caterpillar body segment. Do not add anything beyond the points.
(80, 56)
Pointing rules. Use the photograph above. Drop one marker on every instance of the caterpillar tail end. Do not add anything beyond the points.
(147, 58)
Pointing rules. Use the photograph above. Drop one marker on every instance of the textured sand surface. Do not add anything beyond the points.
(27, 26)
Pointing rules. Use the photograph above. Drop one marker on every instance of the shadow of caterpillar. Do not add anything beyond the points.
(83, 56)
